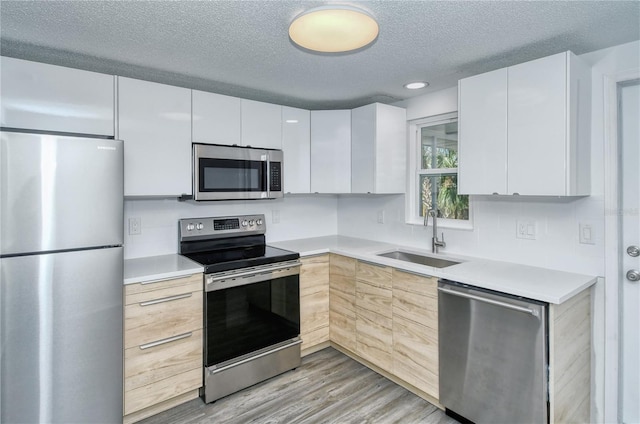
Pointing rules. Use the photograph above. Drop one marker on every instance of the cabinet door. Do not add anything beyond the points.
(155, 124)
(331, 151)
(261, 124)
(54, 98)
(314, 301)
(378, 149)
(482, 133)
(537, 126)
(216, 118)
(391, 149)
(342, 301)
(296, 146)
(415, 331)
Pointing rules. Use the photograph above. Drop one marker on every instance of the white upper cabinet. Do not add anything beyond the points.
(378, 149)
(330, 151)
(482, 133)
(261, 124)
(542, 125)
(296, 146)
(155, 124)
(54, 98)
(216, 118)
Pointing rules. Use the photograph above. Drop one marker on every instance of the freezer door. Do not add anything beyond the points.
(61, 337)
(59, 193)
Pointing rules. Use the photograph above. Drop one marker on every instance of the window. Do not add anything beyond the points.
(434, 174)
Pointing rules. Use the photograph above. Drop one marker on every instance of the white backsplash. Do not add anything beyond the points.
(494, 230)
(300, 217)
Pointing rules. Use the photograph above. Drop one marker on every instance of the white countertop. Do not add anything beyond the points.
(520, 280)
(161, 267)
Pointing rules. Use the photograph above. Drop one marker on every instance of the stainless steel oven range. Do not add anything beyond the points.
(252, 302)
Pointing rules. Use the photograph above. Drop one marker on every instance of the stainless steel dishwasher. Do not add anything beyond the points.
(493, 355)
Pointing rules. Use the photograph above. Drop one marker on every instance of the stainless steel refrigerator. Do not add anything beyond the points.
(61, 270)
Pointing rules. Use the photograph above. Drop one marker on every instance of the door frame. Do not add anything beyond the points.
(611, 243)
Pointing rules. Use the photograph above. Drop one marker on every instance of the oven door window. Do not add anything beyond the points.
(247, 318)
(231, 175)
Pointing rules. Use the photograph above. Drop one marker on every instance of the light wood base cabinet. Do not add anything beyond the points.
(570, 360)
(374, 329)
(342, 301)
(163, 339)
(314, 303)
(415, 331)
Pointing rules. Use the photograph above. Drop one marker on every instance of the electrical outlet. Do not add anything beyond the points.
(135, 226)
(586, 233)
(526, 229)
(381, 217)
(275, 216)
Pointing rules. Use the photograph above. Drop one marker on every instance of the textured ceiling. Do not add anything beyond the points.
(241, 48)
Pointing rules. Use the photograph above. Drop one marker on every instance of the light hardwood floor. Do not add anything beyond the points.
(328, 387)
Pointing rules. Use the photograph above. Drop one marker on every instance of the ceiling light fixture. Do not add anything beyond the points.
(416, 85)
(333, 29)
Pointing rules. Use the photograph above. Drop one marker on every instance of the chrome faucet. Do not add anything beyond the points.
(435, 243)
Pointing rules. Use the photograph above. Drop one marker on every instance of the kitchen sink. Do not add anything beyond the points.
(418, 259)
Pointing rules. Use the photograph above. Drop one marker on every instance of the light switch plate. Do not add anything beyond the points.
(275, 216)
(381, 217)
(526, 229)
(586, 233)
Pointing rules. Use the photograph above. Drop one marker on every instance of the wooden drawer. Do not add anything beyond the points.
(413, 283)
(314, 337)
(162, 390)
(342, 330)
(342, 266)
(135, 293)
(374, 338)
(155, 363)
(374, 274)
(170, 316)
(342, 303)
(373, 298)
(314, 311)
(314, 275)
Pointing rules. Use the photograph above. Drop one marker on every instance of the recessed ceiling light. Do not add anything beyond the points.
(416, 85)
(333, 29)
(291, 121)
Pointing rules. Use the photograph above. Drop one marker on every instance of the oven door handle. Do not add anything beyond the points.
(252, 276)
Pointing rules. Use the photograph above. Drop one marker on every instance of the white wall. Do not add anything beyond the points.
(300, 217)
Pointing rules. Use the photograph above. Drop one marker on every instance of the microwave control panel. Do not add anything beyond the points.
(276, 179)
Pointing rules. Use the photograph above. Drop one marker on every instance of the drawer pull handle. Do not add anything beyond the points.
(166, 299)
(159, 280)
(164, 341)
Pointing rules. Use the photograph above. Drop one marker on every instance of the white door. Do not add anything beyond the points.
(629, 136)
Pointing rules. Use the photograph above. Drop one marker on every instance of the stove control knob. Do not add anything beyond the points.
(244, 223)
(251, 222)
(259, 222)
(200, 226)
(190, 227)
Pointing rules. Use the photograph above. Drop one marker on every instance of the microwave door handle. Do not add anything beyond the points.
(268, 176)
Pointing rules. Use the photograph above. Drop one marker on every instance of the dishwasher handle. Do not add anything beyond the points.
(533, 312)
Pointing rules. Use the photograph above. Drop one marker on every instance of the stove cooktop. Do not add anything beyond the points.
(244, 257)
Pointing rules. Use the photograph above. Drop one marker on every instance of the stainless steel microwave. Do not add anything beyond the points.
(234, 172)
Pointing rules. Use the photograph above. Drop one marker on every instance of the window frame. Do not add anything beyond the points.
(415, 171)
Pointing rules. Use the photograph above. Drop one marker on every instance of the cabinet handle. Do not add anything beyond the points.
(166, 299)
(164, 341)
(159, 280)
